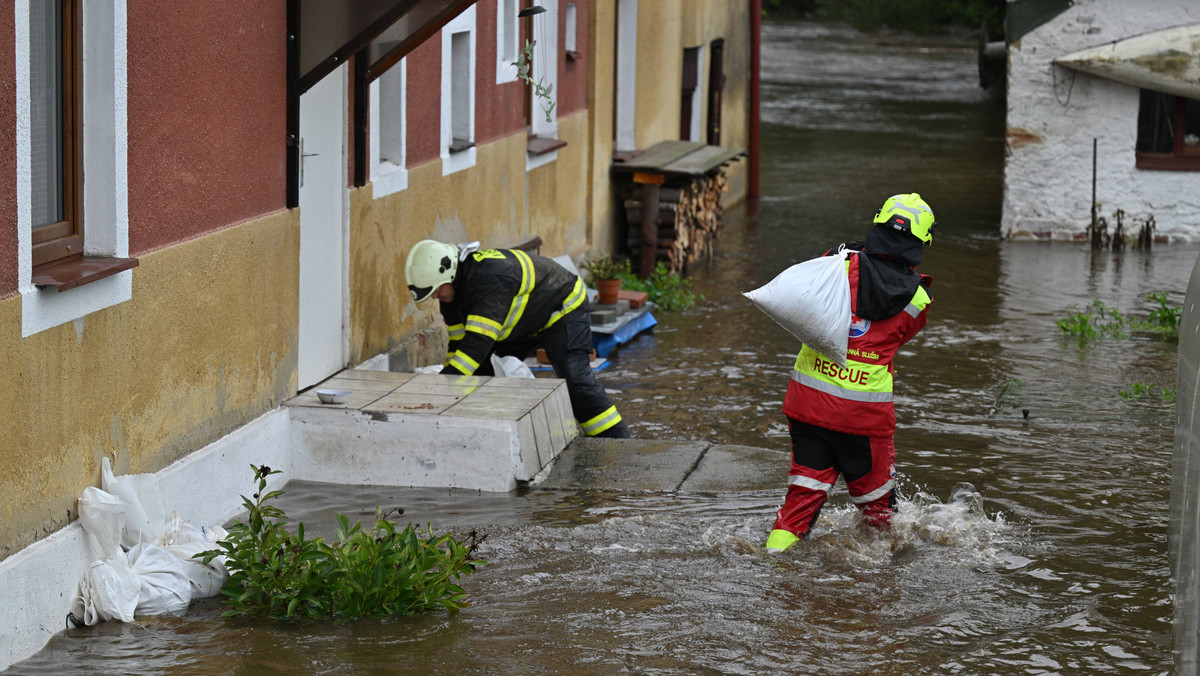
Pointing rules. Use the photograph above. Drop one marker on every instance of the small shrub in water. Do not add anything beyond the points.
(1094, 321)
(1163, 320)
(1097, 320)
(669, 291)
(376, 572)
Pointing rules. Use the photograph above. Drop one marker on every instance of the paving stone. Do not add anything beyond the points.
(590, 463)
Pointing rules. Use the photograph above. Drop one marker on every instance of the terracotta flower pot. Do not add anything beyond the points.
(608, 290)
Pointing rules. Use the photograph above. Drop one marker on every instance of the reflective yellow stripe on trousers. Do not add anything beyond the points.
(605, 420)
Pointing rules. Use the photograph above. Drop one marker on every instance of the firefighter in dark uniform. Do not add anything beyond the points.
(510, 303)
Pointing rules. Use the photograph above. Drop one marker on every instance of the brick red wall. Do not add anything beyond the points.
(572, 75)
(8, 157)
(207, 116)
(499, 108)
(423, 96)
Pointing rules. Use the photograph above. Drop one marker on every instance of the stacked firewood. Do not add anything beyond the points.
(689, 217)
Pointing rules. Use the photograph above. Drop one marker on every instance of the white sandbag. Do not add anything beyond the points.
(109, 590)
(811, 300)
(505, 367)
(185, 540)
(145, 513)
(102, 516)
(510, 367)
(165, 586)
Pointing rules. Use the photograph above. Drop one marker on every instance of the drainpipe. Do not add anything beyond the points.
(755, 94)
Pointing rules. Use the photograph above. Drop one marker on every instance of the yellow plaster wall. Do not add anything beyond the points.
(496, 202)
(206, 344)
(602, 202)
(665, 28)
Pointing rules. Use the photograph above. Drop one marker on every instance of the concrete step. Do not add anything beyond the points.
(665, 465)
(402, 429)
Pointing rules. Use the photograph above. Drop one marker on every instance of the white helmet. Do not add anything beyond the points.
(430, 264)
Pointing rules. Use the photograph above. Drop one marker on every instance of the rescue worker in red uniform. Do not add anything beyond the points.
(509, 302)
(843, 420)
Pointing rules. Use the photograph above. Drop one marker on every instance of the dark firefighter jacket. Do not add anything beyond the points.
(504, 295)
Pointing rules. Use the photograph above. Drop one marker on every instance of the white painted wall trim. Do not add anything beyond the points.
(508, 44)
(464, 159)
(699, 100)
(106, 169)
(626, 75)
(388, 176)
(546, 50)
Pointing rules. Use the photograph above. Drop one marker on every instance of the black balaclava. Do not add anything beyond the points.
(886, 279)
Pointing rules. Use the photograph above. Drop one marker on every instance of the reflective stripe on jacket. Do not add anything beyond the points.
(857, 399)
(502, 294)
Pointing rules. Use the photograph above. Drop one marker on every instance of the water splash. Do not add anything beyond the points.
(959, 528)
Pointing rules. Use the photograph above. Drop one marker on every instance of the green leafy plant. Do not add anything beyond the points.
(1139, 391)
(1163, 319)
(1098, 320)
(375, 572)
(605, 267)
(1094, 321)
(669, 291)
(541, 90)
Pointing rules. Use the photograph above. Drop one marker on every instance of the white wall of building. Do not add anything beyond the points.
(1053, 115)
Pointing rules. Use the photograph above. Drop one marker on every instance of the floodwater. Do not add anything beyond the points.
(1032, 536)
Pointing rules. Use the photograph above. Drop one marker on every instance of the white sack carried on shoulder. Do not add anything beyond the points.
(811, 300)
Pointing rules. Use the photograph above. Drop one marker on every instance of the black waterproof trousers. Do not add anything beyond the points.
(568, 346)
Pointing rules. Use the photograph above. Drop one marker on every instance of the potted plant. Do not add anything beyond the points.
(606, 276)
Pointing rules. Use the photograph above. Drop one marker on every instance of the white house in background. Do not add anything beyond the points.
(1114, 76)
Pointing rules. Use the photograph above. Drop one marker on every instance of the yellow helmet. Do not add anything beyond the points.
(908, 213)
(430, 264)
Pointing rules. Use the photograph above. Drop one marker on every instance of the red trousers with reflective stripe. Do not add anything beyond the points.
(819, 456)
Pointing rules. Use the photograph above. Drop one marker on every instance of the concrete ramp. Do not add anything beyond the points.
(401, 429)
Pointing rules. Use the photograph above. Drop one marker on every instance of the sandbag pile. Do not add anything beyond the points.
(142, 559)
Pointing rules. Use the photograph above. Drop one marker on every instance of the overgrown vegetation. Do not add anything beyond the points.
(1098, 320)
(667, 290)
(376, 572)
(914, 16)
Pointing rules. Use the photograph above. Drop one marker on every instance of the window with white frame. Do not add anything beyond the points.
(543, 110)
(458, 93)
(508, 36)
(569, 21)
(56, 102)
(388, 140)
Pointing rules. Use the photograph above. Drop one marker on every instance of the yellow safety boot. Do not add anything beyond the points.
(779, 540)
